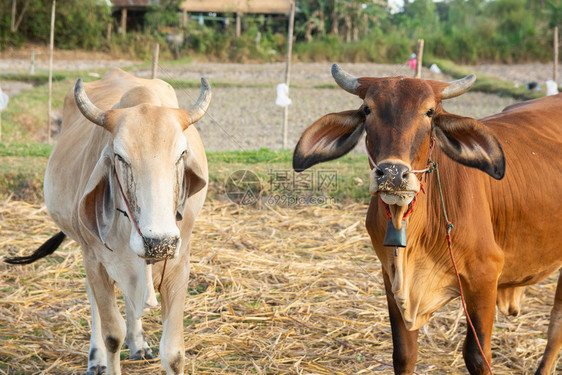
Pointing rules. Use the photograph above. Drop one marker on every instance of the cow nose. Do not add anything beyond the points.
(392, 177)
(160, 248)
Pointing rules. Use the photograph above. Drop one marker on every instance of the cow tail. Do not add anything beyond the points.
(47, 248)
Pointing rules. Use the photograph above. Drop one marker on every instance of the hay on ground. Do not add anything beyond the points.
(272, 291)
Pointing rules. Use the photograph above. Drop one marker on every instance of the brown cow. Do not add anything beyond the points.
(507, 232)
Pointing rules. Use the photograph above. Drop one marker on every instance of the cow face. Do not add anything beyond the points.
(145, 175)
(401, 117)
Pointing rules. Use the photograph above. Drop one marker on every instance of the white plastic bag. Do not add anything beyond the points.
(4, 99)
(434, 68)
(283, 99)
(551, 87)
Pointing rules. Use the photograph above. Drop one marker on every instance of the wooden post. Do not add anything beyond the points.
(32, 63)
(124, 21)
(419, 57)
(238, 24)
(555, 67)
(13, 25)
(109, 27)
(288, 72)
(155, 59)
(51, 67)
(184, 18)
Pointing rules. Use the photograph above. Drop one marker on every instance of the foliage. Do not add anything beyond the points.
(461, 30)
(345, 30)
(77, 24)
(165, 15)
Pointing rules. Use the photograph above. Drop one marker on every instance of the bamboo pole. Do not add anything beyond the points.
(238, 24)
(13, 25)
(155, 59)
(52, 42)
(555, 66)
(419, 57)
(32, 63)
(124, 21)
(288, 72)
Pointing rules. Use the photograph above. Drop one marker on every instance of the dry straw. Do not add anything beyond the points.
(272, 291)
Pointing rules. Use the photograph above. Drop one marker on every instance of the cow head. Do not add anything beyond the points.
(147, 172)
(401, 117)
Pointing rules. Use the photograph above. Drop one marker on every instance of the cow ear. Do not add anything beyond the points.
(96, 208)
(469, 142)
(328, 138)
(193, 181)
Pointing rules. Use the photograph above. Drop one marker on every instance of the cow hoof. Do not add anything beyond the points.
(97, 370)
(145, 353)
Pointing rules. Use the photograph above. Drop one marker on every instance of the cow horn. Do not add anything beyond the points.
(88, 109)
(198, 110)
(345, 80)
(458, 87)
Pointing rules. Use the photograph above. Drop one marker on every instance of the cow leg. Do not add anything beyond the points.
(405, 343)
(480, 296)
(111, 322)
(173, 293)
(97, 357)
(138, 347)
(554, 341)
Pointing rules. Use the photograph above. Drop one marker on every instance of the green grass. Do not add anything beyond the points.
(35, 79)
(25, 149)
(22, 167)
(275, 172)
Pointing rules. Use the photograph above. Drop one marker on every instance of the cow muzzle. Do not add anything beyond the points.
(397, 188)
(160, 248)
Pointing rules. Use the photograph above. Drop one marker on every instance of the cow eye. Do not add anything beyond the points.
(181, 156)
(430, 113)
(366, 110)
(121, 159)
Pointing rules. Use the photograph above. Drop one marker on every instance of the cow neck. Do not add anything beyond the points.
(132, 218)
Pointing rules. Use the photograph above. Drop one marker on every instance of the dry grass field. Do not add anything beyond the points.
(272, 291)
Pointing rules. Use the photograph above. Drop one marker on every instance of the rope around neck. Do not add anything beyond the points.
(449, 227)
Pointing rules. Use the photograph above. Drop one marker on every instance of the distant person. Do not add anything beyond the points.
(413, 62)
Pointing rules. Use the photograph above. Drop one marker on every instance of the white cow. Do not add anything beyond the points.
(126, 181)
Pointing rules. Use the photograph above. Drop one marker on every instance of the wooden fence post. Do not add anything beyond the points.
(555, 46)
(419, 58)
(13, 25)
(155, 59)
(238, 24)
(52, 42)
(32, 63)
(288, 72)
(124, 21)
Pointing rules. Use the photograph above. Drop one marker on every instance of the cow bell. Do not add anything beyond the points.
(395, 237)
